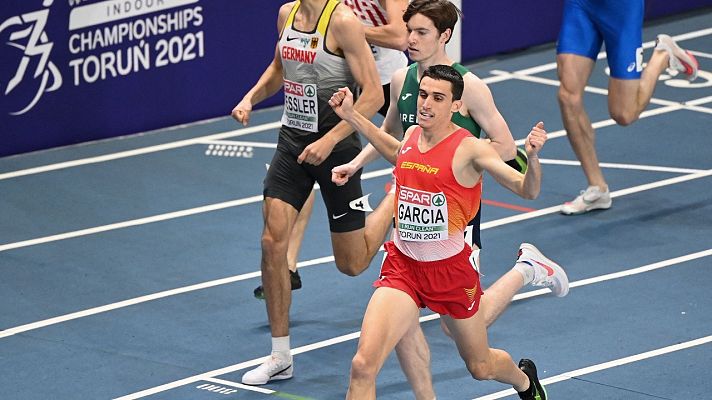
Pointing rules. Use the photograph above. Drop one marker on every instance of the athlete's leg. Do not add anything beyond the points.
(389, 314)
(279, 218)
(627, 98)
(295, 244)
(414, 357)
(354, 250)
(297, 236)
(483, 362)
(286, 188)
(530, 268)
(574, 72)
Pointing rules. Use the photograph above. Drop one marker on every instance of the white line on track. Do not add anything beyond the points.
(241, 386)
(700, 54)
(356, 335)
(238, 143)
(607, 365)
(688, 105)
(136, 152)
(636, 167)
(486, 225)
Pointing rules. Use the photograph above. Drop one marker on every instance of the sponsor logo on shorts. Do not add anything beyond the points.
(471, 297)
(335, 217)
(361, 204)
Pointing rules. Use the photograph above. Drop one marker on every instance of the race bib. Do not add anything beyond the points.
(422, 216)
(301, 109)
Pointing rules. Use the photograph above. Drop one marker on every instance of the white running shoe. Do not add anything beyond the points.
(681, 60)
(546, 272)
(274, 369)
(590, 199)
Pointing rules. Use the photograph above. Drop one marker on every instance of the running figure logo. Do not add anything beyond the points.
(29, 36)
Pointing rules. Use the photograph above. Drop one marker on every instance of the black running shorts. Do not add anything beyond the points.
(292, 182)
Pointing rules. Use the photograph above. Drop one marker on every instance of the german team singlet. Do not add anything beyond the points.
(432, 208)
(312, 74)
(408, 102)
(387, 60)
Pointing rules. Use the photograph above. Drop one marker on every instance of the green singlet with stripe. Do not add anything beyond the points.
(408, 102)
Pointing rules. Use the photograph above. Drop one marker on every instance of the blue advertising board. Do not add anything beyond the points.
(79, 70)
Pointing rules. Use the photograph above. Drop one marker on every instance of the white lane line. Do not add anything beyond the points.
(130, 223)
(617, 193)
(636, 167)
(239, 143)
(602, 55)
(322, 260)
(700, 54)
(257, 389)
(688, 105)
(607, 365)
(356, 335)
(135, 152)
(157, 218)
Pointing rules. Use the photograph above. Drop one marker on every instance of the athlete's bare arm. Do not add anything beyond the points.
(346, 35)
(479, 103)
(387, 145)
(475, 156)
(393, 35)
(391, 124)
(271, 80)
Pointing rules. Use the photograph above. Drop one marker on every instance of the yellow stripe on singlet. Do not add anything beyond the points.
(290, 19)
(326, 16)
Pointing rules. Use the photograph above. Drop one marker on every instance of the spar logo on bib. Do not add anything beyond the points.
(422, 216)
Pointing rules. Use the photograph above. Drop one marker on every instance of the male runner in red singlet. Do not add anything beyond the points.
(430, 25)
(438, 172)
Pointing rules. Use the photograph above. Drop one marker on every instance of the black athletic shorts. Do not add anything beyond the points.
(475, 226)
(292, 182)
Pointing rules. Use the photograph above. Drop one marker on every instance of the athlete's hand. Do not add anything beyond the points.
(342, 102)
(341, 173)
(317, 152)
(242, 111)
(535, 140)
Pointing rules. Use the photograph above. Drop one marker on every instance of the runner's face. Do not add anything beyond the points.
(423, 38)
(435, 104)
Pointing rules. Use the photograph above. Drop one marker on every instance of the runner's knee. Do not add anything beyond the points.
(350, 267)
(570, 99)
(623, 117)
(480, 370)
(362, 369)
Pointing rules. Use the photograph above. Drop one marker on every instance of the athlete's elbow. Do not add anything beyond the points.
(531, 194)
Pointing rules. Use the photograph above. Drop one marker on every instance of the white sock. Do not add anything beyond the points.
(280, 347)
(526, 270)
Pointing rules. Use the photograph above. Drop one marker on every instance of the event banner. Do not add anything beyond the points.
(78, 70)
